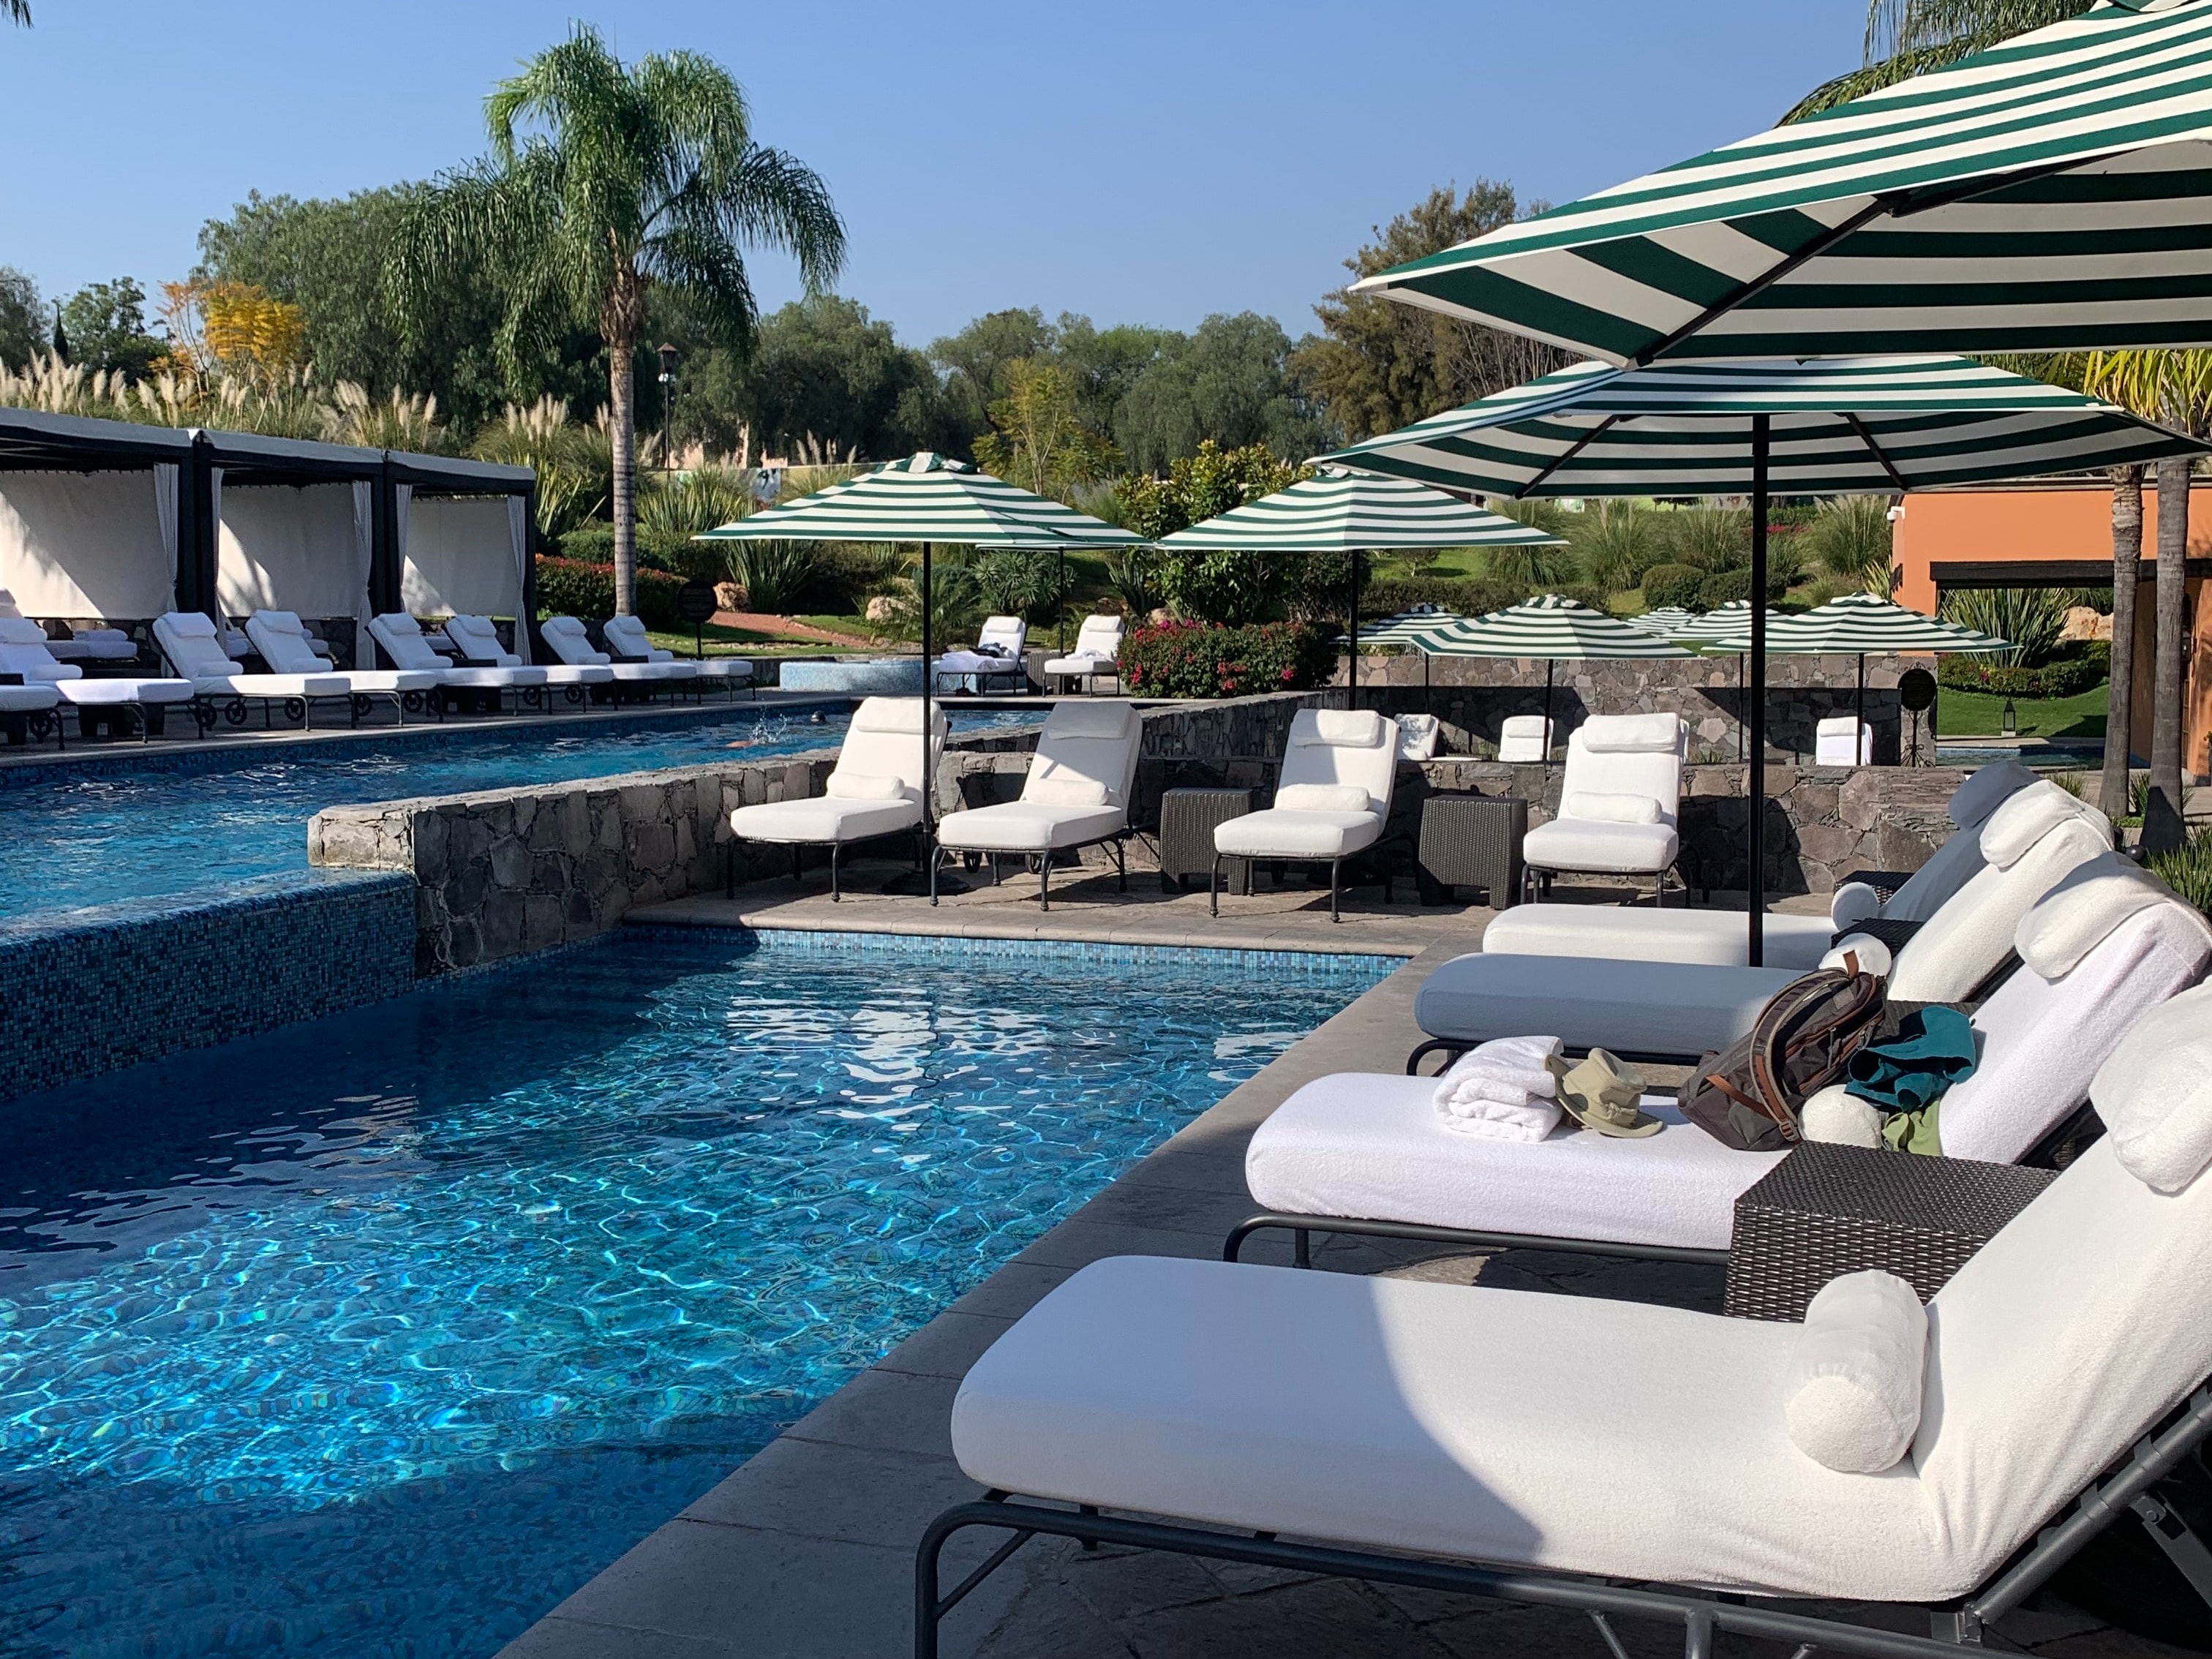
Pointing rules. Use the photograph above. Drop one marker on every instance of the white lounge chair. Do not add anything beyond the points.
(569, 639)
(109, 703)
(1636, 1460)
(997, 656)
(1525, 737)
(1418, 736)
(626, 642)
(480, 687)
(84, 644)
(1789, 940)
(874, 790)
(192, 646)
(1620, 801)
(475, 641)
(28, 714)
(1832, 743)
(1076, 794)
(1365, 1154)
(1331, 799)
(283, 642)
(1679, 1010)
(1098, 650)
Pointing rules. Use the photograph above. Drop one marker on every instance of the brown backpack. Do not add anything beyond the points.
(1749, 1096)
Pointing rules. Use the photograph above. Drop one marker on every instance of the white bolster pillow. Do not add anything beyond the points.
(1063, 788)
(1610, 808)
(1851, 1390)
(1854, 902)
(2026, 818)
(1630, 734)
(1984, 791)
(2082, 911)
(2155, 1093)
(859, 786)
(1342, 728)
(1323, 797)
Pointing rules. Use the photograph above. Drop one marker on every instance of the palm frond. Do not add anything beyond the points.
(17, 11)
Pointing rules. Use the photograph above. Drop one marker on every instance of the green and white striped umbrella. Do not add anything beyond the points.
(931, 499)
(1837, 426)
(1406, 627)
(1550, 627)
(1665, 621)
(1722, 622)
(2046, 195)
(1341, 512)
(1857, 625)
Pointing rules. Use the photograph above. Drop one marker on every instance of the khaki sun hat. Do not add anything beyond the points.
(1600, 1092)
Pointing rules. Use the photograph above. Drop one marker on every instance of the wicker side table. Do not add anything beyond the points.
(1188, 817)
(1894, 934)
(1825, 1211)
(1885, 882)
(1471, 841)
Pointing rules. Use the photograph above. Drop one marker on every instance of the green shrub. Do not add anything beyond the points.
(1726, 587)
(1190, 660)
(569, 587)
(2067, 676)
(592, 542)
(778, 577)
(1668, 585)
(1463, 596)
(2188, 869)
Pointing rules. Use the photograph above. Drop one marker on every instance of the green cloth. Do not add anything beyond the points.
(1915, 1132)
(1933, 1048)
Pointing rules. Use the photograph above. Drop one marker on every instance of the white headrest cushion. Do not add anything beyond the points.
(859, 786)
(1323, 797)
(1852, 1389)
(1338, 728)
(1838, 726)
(284, 621)
(1984, 791)
(564, 625)
(2155, 1093)
(1605, 808)
(1099, 629)
(2078, 915)
(1523, 725)
(190, 624)
(889, 714)
(1630, 734)
(2026, 818)
(479, 625)
(1090, 718)
(1050, 786)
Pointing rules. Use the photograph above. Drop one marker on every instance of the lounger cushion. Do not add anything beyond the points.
(566, 673)
(2024, 820)
(416, 679)
(568, 640)
(1110, 720)
(101, 694)
(271, 685)
(844, 784)
(1524, 738)
(1590, 1436)
(2074, 917)
(1280, 834)
(400, 637)
(1065, 789)
(1323, 797)
(1609, 808)
(1852, 1392)
(1959, 946)
(28, 699)
(1371, 1144)
(1612, 930)
(281, 638)
(194, 648)
(1954, 865)
(1985, 790)
(1638, 1008)
(1418, 736)
(2154, 1094)
(1609, 848)
(1082, 663)
(1340, 728)
(1630, 734)
(822, 820)
(1028, 826)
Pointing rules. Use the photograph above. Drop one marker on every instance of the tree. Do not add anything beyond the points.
(975, 360)
(606, 182)
(1214, 587)
(20, 316)
(1906, 37)
(106, 327)
(18, 12)
(1386, 365)
(1230, 382)
(1038, 438)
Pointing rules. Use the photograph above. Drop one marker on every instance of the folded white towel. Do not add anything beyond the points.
(1507, 1088)
(1497, 1120)
(1502, 1089)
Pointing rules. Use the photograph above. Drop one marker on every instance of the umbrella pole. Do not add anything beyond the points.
(1861, 716)
(1060, 594)
(1352, 701)
(928, 777)
(1743, 713)
(1548, 665)
(1756, 883)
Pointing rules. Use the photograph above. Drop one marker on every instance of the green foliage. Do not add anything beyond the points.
(955, 606)
(2032, 618)
(107, 326)
(1616, 542)
(975, 360)
(1851, 539)
(1134, 576)
(2188, 869)
(778, 577)
(1906, 37)
(1666, 585)
(1722, 587)
(2068, 677)
(672, 508)
(1233, 588)
(1460, 596)
(1230, 384)
(1038, 438)
(1188, 659)
(22, 317)
(1018, 583)
(574, 463)
(1710, 539)
(571, 587)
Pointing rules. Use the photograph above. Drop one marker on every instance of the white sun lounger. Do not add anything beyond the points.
(568, 639)
(1679, 1010)
(1331, 799)
(1629, 1459)
(1833, 742)
(23, 651)
(874, 790)
(400, 637)
(1620, 801)
(1076, 794)
(101, 645)
(1524, 738)
(1789, 941)
(192, 646)
(475, 641)
(627, 642)
(1369, 1153)
(282, 641)
(29, 712)
(998, 656)
(1098, 650)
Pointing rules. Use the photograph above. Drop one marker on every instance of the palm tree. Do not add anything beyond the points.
(607, 181)
(16, 11)
(1906, 37)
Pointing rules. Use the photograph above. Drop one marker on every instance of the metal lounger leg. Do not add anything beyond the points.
(729, 871)
(1336, 887)
(1044, 879)
(1213, 887)
(835, 896)
(1121, 865)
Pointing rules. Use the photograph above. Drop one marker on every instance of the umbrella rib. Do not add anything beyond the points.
(1906, 204)
(1759, 284)
(1873, 449)
(1573, 450)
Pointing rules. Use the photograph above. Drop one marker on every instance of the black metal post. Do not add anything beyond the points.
(1755, 882)
(1545, 738)
(1861, 716)
(1352, 700)
(1059, 600)
(928, 673)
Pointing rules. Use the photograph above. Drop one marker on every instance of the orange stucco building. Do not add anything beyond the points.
(2060, 535)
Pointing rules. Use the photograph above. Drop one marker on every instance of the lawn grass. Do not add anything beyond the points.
(1978, 715)
(722, 641)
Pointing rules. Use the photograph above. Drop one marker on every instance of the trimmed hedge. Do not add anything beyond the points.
(2066, 676)
(1666, 585)
(1194, 659)
(567, 587)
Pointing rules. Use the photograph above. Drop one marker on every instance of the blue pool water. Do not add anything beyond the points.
(380, 1334)
(121, 833)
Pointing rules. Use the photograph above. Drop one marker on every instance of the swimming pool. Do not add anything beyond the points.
(119, 833)
(380, 1334)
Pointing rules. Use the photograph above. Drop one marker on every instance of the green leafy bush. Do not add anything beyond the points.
(1726, 587)
(2066, 676)
(1668, 585)
(778, 577)
(1190, 660)
(569, 587)
(2188, 869)
(2030, 618)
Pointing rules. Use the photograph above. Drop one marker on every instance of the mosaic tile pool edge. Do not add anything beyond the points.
(123, 987)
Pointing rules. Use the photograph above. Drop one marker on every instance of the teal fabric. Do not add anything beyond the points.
(1932, 1049)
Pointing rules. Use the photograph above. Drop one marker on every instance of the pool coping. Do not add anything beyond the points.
(806, 1548)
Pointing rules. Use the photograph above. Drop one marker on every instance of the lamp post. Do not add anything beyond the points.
(667, 405)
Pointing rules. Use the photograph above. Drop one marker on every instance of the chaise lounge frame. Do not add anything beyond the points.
(2124, 1488)
(1118, 841)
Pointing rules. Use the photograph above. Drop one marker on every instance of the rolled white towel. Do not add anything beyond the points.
(1473, 1088)
(1493, 1119)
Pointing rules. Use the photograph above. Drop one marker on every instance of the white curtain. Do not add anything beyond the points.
(403, 517)
(364, 544)
(84, 544)
(286, 547)
(164, 514)
(215, 517)
(460, 558)
(518, 532)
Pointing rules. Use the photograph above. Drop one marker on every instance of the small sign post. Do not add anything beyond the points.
(694, 603)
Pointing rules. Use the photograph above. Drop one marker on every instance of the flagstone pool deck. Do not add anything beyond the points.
(806, 1551)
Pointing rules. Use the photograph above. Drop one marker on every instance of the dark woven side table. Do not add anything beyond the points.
(1826, 1210)
(1894, 934)
(1186, 820)
(1471, 841)
(1885, 882)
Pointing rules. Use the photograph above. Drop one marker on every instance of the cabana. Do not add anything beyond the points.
(462, 540)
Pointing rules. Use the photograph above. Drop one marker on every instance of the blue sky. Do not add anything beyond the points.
(1141, 162)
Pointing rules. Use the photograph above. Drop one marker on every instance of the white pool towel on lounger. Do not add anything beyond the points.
(1501, 1090)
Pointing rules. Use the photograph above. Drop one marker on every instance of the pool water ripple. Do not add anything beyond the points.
(379, 1335)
